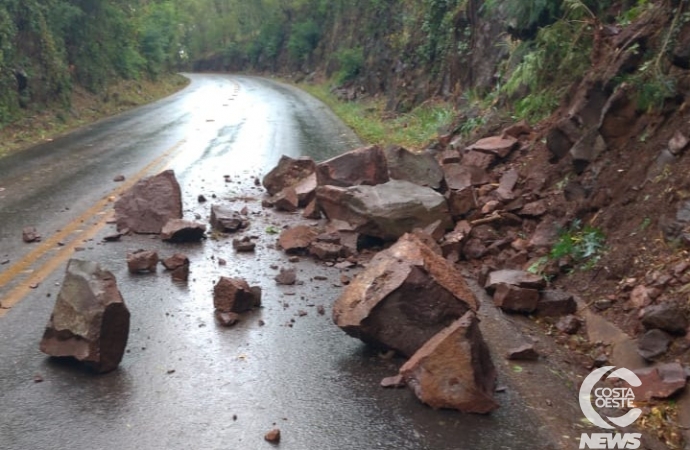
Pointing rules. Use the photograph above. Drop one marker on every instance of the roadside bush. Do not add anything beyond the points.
(351, 61)
(304, 38)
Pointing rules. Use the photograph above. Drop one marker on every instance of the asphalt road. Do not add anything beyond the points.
(186, 383)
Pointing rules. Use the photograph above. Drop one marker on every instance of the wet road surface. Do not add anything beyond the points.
(186, 383)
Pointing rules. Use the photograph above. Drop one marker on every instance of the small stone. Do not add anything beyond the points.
(525, 352)
(273, 436)
(286, 277)
(201, 198)
(109, 238)
(396, 381)
(175, 261)
(569, 324)
(321, 310)
(227, 319)
(244, 245)
(38, 378)
(119, 178)
(222, 262)
(142, 261)
(29, 234)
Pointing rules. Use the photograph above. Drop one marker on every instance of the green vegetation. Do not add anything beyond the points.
(367, 118)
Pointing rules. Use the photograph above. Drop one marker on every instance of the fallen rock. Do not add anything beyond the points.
(405, 296)
(534, 209)
(286, 277)
(518, 278)
(227, 220)
(525, 352)
(175, 261)
(460, 177)
(462, 202)
(366, 165)
(454, 369)
(569, 324)
(418, 168)
(556, 302)
(678, 143)
(515, 299)
(181, 273)
(327, 251)
(142, 261)
(148, 205)
(286, 200)
(90, 321)
(288, 173)
(244, 245)
(500, 146)
(518, 129)
(478, 160)
(659, 382)
(273, 436)
(665, 316)
(306, 190)
(119, 178)
(235, 295)
(640, 296)
(29, 234)
(386, 211)
(297, 239)
(114, 237)
(507, 184)
(312, 211)
(180, 230)
(653, 344)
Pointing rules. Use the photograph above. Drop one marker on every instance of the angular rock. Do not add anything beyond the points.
(453, 241)
(459, 177)
(327, 251)
(244, 245)
(640, 296)
(273, 436)
(518, 278)
(518, 129)
(235, 295)
(148, 205)
(181, 273)
(587, 149)
(569, 324)
(312, 211)
(525, 352)
(474, 248)
(515, 299)
(386, 211)
(454, 370)
(180, 230)
(306, 190)
(478, 160)
(29, 234)
(555, 302)
(286, 277)
(667, 317)
(505, 188)
(653, 344)
(659, 382)
(396, 381)
(496, 145)
(175, 261)
(142, 261)
(534, 209)
(405, 296)
(90, 321)
(288, 173)
(226, 220)
(297, 239)
(418, 168)
(462, 202)
(366, 165)
(286, 200)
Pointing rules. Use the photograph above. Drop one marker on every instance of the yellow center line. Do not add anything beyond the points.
(19, 292)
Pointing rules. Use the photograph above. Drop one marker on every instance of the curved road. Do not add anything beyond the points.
(186, 383)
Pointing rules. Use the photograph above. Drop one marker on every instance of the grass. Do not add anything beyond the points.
(374, 125)
(48, 123)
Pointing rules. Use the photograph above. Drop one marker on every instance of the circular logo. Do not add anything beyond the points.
(609, 397)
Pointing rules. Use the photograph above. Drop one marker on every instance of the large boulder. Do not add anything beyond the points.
(148, 205)
(454, 369)
(90, 321)
(287, 173)
(386, 211)
(366, 165)
(405, 296)
(418, 168)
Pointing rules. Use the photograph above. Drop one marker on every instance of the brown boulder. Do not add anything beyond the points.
(555, 302)
(418, 168)
(287, 173)
(235, 295)
(462, 202)
(515, 299)
(297, 239)
(496, 145)
(142, 261)
(180, 230)
(286, 200)
(366, 165)
(312, 210)
(286, 277)
(660, 381)
(405, 296)
(454, 369)
(227, 220)
(175, 261)
(148, 205)
(459, 177)
(90, 321)
(478, 160)
(306, 190)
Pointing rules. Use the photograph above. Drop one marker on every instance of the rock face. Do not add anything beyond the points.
(235, 295)
(418, 168)
(90, 321)
(287, 173)
(148, 205)
(405, 296)
(386, 211)
(366, 165)
(454, 369)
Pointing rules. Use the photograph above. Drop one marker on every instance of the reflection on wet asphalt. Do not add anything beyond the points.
(186, 383)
